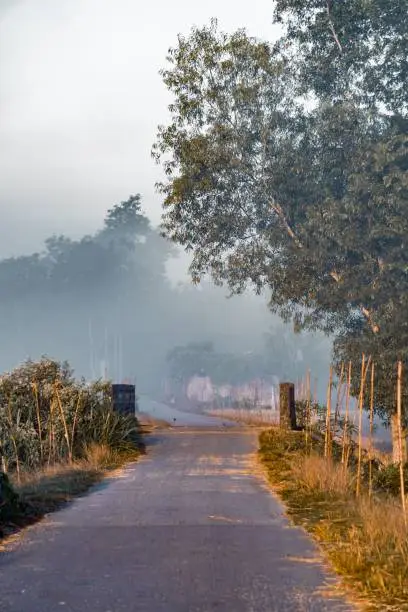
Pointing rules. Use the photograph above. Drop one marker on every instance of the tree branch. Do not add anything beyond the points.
(277, 208)
(332, 28)
(374, 327)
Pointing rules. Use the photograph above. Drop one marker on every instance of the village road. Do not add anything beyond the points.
(192, 527)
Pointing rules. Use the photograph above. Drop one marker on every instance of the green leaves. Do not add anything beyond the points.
(284, 170)
(355, 49)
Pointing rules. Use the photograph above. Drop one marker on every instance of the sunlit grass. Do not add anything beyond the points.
(366, 539)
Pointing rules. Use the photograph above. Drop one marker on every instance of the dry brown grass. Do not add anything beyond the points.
(365, 539)
(43, 491)
(98, 456)
(316, 473)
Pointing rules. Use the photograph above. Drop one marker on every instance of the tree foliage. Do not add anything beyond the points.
(286, 166)
(48, 416)
(355, 49)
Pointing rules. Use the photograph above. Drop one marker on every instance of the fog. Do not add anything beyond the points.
(80, 101)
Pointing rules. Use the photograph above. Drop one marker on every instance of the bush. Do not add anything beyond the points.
(47, 416)
(387, 478)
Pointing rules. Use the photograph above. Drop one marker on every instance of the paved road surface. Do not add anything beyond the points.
(177, 418)
(189, 528)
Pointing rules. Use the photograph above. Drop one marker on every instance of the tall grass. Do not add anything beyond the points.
(365, 537)
(315, 473)
(49, 417)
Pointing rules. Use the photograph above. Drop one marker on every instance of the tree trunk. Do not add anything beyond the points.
(396, 455)
(287, 406)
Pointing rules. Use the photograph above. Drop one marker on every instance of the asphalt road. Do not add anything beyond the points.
(192, 527)
(177, 418)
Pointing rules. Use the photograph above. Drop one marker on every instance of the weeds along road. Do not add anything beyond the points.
(192, 527)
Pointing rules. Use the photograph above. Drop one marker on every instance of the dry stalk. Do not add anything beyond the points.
(64, 421)
(307, 415)
(75, 422)
(50, 428)
(346, 417)
(399, 419)
(327, 440)
(37, 407)
(370, 464)
(364, 370)
(339, 398)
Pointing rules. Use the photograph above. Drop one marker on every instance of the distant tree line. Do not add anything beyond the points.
(105, 303)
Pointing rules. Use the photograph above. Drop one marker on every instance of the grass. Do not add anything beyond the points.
(365, 539)
(43, 491)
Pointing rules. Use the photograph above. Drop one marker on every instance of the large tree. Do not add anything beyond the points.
(352, 49)
(275, 180)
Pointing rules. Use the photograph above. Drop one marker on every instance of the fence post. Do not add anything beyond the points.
(287, 405)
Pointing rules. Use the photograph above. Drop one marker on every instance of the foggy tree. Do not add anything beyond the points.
(359, 50)
(251, 175)
(107, 297)
(308, 200)
(355, 49)
(111, 280)
(202, 359)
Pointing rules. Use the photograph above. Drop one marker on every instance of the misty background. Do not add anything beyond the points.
(80, 101)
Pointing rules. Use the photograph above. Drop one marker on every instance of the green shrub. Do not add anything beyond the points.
(47, 416)
(388, 479)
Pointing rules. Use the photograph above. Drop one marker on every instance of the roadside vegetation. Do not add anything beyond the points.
(285, 171)
(58, 436)
(363, 528)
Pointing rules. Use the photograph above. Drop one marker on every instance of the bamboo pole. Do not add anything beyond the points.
(346, 417)
(339, 398)
(370, 464)
(327, 441)
(364, 369)
(307, 411)
(75, 421)
(399, 419)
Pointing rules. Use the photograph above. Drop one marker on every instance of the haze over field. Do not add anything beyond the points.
(81, 98)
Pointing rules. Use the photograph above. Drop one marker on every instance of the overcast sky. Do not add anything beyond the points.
(80, 100)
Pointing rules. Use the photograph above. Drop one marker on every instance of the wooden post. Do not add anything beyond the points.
(346, 418)
(364, 369)
(287, 405)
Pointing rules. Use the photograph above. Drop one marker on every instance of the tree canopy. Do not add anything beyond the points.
(286, 165)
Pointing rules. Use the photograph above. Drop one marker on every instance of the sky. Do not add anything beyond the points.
(80, 102)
